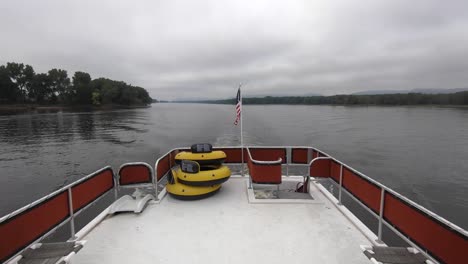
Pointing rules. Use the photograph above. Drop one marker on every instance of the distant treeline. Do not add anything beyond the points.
(460, 98)
(19, 84)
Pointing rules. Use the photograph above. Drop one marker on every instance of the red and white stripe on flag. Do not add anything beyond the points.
(238, 107)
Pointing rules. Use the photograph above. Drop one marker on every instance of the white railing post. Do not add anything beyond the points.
(156, 186)
(72, 214)
(250, 175)
(341, 184)
(382, 204)
(116, 186)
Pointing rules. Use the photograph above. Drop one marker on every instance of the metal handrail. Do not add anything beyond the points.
(152, 177)
(326, 156)
(159, 159)
(381, 220)
(72, 214)
(272, 162)
(40, 200)
(387, 189)
(382, 187)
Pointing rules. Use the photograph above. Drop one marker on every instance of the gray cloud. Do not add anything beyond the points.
(203, 49)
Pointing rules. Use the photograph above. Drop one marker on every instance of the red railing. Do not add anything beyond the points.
(135, 173)
(166, 162)
(23, 227)
(269, 154)
(163, 165)
(87, 191)
(233, 155)
(264, 167)
(300, 155)
(442, 240)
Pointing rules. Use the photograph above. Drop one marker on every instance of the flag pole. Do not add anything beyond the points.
(241, 136)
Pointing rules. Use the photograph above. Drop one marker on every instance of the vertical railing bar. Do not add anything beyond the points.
(341, 184)
(249, 157)
(382, 204)
(410, 242)
(155, 179)
(72, 214)
(288, 157)
(116, 186)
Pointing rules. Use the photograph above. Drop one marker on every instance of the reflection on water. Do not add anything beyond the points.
(86, 126)
(418, 151)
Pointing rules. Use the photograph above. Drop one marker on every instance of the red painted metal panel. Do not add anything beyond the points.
(134, 174)
(365, 191)
(320, 168)
(314, 154)
(163, 167)
(441, 241)
(233, 155)
(268, 154)
(172, 157)
(89, 190)
(335, 171)
(299, 155)
(263, 173)
(25, 228)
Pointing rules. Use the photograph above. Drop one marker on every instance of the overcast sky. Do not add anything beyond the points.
(203, 49)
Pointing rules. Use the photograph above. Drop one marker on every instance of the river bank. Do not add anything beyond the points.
(11, 109)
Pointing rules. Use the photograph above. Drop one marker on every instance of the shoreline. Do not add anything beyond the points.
(33, 108)
(344, 105)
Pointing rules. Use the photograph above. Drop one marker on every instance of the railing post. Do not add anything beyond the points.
(382, 204)
(288, 155)
(155, 183)
(341, 184)
(116, 186)
(72, 214)
(250, 174)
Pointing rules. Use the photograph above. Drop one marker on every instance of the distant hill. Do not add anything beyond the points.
(423, 91)
(250, 95)
(400, 98)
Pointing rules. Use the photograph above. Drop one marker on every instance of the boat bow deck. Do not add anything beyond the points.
(227, 228)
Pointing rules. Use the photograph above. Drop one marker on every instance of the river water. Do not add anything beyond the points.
(421, 152)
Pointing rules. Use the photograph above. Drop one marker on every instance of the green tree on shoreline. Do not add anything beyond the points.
(60, 84)
(19, 84)
(459, 98)
(22, 76)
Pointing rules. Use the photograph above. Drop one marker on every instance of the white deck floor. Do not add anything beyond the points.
(226, 228)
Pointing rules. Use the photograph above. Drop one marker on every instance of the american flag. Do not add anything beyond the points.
(238, 107)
